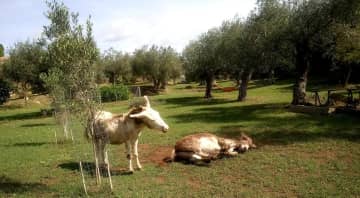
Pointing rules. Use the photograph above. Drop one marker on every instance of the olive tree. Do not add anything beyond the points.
(26, 61)
(117, 66)
(202, 58)
(2, 50)
(310, 26)
(72, 54)
(157, 64)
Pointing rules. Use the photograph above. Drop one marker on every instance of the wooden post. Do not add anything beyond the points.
(72, 136)
(97, 169)
(317, 98)
(108, 169)
(83, 178)
(55, 137)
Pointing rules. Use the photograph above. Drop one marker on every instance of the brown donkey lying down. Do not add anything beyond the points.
(204, 147)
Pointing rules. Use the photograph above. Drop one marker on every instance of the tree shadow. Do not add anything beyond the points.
(195, 101)
(21, 116)
(229, 114)
(89, 168)
(36, 125)
(259, 84)
(286, 137)
(274, 124)
(8, 185)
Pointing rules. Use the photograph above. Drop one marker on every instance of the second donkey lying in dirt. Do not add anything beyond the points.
(204, 147)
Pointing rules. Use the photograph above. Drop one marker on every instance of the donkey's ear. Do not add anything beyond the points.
(147, 102)
(243, 136)
(142, 114)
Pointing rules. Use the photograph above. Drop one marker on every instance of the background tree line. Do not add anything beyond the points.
(283, 38)
(30, 60)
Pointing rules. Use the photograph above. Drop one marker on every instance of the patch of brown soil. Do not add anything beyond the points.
(154, 154)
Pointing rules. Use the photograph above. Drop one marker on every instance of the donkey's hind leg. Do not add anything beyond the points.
(190, 156)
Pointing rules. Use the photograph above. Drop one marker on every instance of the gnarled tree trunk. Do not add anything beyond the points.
(209, 82)
(347, 77)
(302, 67)
(156, 83)
(245, 78)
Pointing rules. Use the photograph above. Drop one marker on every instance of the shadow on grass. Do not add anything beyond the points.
(274, 124)
(8, 185)
(321, 85)
(36, 125)
(22, 116)
(195, 101)
(89, 168)
(230, 114)
(285, 137)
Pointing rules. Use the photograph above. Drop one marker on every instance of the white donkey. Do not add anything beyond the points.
(125, 128)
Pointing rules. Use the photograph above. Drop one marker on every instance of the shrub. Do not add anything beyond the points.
(4, 91)
(114, 93)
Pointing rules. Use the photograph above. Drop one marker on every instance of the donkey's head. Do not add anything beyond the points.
(150, 117)
(245, 143)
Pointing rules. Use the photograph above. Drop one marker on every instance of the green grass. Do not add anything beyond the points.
(299, 155)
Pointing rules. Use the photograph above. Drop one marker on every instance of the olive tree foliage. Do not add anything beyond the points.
(311, 33)
(202, 59)
(176, 66)
(240, 47)
(231, 51)
(4, 91)
(170, 65)
(158, 64)
(117, 66)
(248, 54)
(347, 50)
(26, 61)
(344, 48)
(260, 43)
(72, 54)
(279, 34)
(2, 50)
(272, 19)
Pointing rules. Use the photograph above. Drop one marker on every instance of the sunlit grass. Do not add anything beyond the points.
(299, 155)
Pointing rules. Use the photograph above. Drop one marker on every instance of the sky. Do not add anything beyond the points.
(125, 25)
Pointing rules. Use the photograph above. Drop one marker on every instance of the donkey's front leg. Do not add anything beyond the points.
(129, 156)
(231, 152)
(136, 154)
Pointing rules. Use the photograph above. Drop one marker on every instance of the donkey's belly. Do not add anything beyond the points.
(118, 137)
(209, 147)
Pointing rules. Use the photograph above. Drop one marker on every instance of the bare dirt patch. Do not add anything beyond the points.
(154, 154)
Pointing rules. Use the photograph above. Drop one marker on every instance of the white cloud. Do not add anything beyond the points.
(126, 25)
(171, 24)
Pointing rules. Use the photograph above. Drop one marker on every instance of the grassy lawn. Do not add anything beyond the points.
(298, 155)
